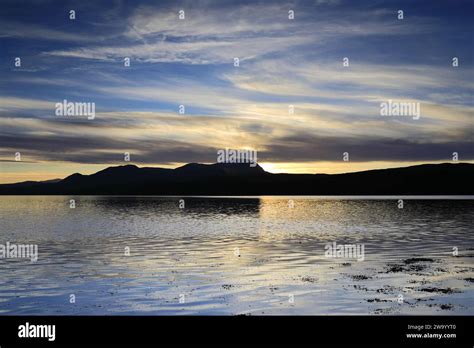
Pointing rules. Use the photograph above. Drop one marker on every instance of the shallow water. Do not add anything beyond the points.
(253, 255)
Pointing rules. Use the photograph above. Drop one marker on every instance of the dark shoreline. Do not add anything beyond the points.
(242, 180)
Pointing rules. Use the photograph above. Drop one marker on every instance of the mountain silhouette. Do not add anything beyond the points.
(241, 179)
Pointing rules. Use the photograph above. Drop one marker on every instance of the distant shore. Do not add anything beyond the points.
(221, 179)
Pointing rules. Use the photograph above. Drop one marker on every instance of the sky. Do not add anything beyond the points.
(190, 62)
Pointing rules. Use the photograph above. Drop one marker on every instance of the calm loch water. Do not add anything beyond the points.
(254, 255)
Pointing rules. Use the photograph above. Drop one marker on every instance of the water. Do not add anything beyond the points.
(252, 255)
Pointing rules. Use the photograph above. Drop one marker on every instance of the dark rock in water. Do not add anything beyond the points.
(423, 300)
(440, 290)
(360, 277)
(387, 289)
(442, 306)
(395, 269)
(416, 260)
(446, 306)
(415, 265)
(471, 280)
(416, 268)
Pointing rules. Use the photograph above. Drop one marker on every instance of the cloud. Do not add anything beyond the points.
(215, 35)
(11, 103)
(154, 137)
(304, 147)
(21, 30)
(300, 77)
